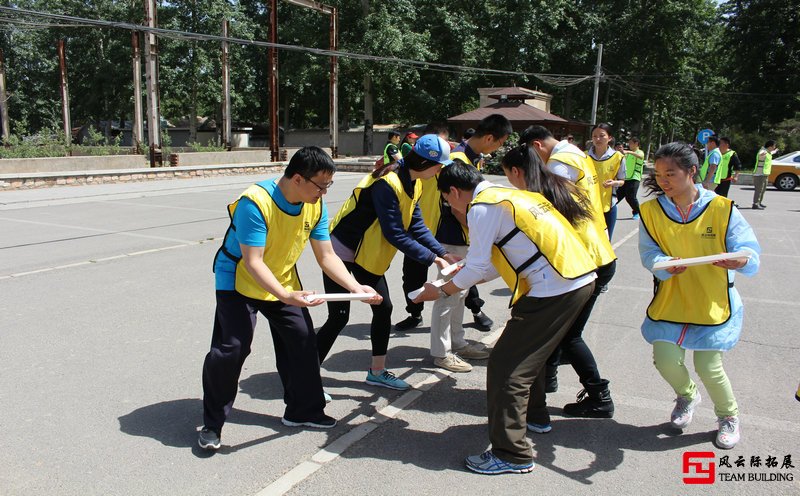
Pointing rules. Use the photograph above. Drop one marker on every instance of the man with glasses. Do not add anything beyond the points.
(255, 271)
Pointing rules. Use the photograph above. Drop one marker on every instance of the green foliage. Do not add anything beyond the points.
(45, 143)
(671, 67)
(199, 147)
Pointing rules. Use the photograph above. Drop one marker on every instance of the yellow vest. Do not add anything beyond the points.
(374, 253)
(607, 169)
(552, 234)
(593, 232)
(286, 238)
(698, 296)
(431, 202)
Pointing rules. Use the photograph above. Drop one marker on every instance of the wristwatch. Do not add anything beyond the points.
(442, 292)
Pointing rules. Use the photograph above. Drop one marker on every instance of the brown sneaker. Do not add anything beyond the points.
(472, 352)
(452, 363)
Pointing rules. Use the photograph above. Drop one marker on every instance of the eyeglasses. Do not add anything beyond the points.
(321, 188)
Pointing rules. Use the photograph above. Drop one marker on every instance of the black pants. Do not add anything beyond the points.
(339, 313)
(629, 190)
(415, 275)
(573, 347)
(295, 357)
(723, 188)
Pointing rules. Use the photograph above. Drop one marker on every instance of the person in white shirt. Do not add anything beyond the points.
(522, 237)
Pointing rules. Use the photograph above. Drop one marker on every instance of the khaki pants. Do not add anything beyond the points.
(760, 184)
(534, 330)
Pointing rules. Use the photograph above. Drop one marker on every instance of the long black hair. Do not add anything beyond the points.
(567, 198)
(681, 155)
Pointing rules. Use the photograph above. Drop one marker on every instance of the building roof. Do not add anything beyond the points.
(514, 110)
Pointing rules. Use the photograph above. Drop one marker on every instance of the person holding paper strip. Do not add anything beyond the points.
(523, 238)
(255, 271)
(380, 217)
(694, 308)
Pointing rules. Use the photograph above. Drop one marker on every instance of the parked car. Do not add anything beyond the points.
(786, 171)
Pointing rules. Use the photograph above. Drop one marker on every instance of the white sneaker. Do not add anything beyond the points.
(453, 363)
(684, 411)
(472, 352)
(729, 433)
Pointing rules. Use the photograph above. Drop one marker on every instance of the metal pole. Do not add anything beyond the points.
(62, 63)
(151, 70)
(226, 90)
(334, 97)
(597, 71)
(4, 101)
(273, 81)
(138, 125)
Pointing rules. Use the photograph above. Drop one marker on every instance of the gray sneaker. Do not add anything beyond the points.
(208, 439)
(729, 432)
(453, 363)
(683, 412)
(472, 352)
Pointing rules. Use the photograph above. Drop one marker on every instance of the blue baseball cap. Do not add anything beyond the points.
(432, 147)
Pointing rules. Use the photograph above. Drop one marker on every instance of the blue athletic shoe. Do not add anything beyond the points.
(540, 428)
(328, 398)
(635, 216)
(487, 463)
(387, 379)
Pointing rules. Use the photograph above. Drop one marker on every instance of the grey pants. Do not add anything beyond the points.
(760, 183)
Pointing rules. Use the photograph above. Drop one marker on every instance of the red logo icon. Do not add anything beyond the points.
(697, 468)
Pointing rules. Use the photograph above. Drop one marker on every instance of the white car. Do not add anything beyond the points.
(785, 173)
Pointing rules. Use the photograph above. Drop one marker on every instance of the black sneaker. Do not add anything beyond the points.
(757, 207)
(208, 439)
(482, 322)
(762, 206)
(322, 422)
(409, 322)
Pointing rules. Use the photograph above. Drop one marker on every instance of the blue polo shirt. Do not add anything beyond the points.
(251, 230)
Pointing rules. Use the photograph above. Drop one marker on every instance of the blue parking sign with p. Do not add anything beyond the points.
(703, 135)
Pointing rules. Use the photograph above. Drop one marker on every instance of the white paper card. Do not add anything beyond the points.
(687, 262)
(339, 296)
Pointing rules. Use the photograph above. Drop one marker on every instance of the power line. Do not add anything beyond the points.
(188, 35)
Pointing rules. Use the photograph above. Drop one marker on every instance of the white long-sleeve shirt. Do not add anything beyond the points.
(488, 224)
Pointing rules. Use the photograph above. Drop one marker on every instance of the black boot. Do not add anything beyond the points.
(550, 379)
(594, 402)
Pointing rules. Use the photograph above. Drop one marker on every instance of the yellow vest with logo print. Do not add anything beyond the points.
(286, 238)
(374, 253)
(607, 169)
(592, 232)
(536, 218)
(698, 296)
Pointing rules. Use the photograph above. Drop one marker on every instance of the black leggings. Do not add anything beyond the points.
(629, 191)
(339, 313)
(573, 347)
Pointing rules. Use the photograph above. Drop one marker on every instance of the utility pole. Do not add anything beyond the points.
(272, 77)
(334, 84)
(151, 70)
(6, 132)
(226, 89)
(62, 64)
(137, 130)
(597, 74)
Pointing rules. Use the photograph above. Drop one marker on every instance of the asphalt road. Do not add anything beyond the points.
(106, 306)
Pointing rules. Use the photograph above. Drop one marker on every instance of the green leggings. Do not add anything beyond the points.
(669, 360)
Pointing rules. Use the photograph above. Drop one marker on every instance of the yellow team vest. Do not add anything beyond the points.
(698, 296)
(593, 232)
(607, 169)
(374, 253)
(431, 203)
(552, 234)
(286, 239)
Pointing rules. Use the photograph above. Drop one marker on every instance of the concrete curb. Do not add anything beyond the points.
(30, 180)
